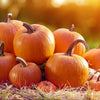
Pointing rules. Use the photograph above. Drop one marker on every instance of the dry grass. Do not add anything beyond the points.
(8, 92)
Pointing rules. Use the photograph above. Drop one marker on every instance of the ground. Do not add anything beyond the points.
(9, 92)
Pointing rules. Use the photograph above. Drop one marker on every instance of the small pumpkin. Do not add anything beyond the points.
(93, 58)
(35, 43)
(94, 83)
(24, 74)
(64, 38)
(8, 29)
(46, 86)
(67, 69)
(7, 61)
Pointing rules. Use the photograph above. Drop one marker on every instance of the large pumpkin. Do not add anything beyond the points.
(34, 43)
(64, 38)
(8, 29)
(93, 58)
(24, 74)
(67, 69)
(7, 61)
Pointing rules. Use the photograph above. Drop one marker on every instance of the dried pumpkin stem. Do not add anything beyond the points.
(2, 48)
(98, 70)
(70, 49)
(98, 79)
(30, 29)
(72, 28)
(22, 61)
(8, 18)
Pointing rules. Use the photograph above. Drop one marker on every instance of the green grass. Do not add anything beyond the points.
(93, 43)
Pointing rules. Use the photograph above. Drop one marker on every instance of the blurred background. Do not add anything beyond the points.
(84, 14)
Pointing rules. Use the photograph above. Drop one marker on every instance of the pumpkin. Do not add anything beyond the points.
(93, 58)
(46, 86)
(94, 83)
(67, 69)
(8, 29)
(35, 43)
(7, 61)
(24, 74)
(64, 38)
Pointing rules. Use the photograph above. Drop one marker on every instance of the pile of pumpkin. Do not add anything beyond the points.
(24, 47)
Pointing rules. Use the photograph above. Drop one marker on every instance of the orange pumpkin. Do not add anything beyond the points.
(8, 29)
(93, 58)
(7, 61)
(67, 69)
(64, 38)
(24, 74)
(46, 86)
(34, 43)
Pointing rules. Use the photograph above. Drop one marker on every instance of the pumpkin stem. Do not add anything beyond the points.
(98, 79)
(22, 61)
(8, 18)
(98, 70)
(71, 47)
(30, 29)
(72, 28)
(2, 48)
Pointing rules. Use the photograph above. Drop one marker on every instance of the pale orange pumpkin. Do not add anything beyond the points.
(64, 38)
(24, 74)
(7, 61)
(34, 43)
(67, 69)
(8, 29)
(93, 58)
